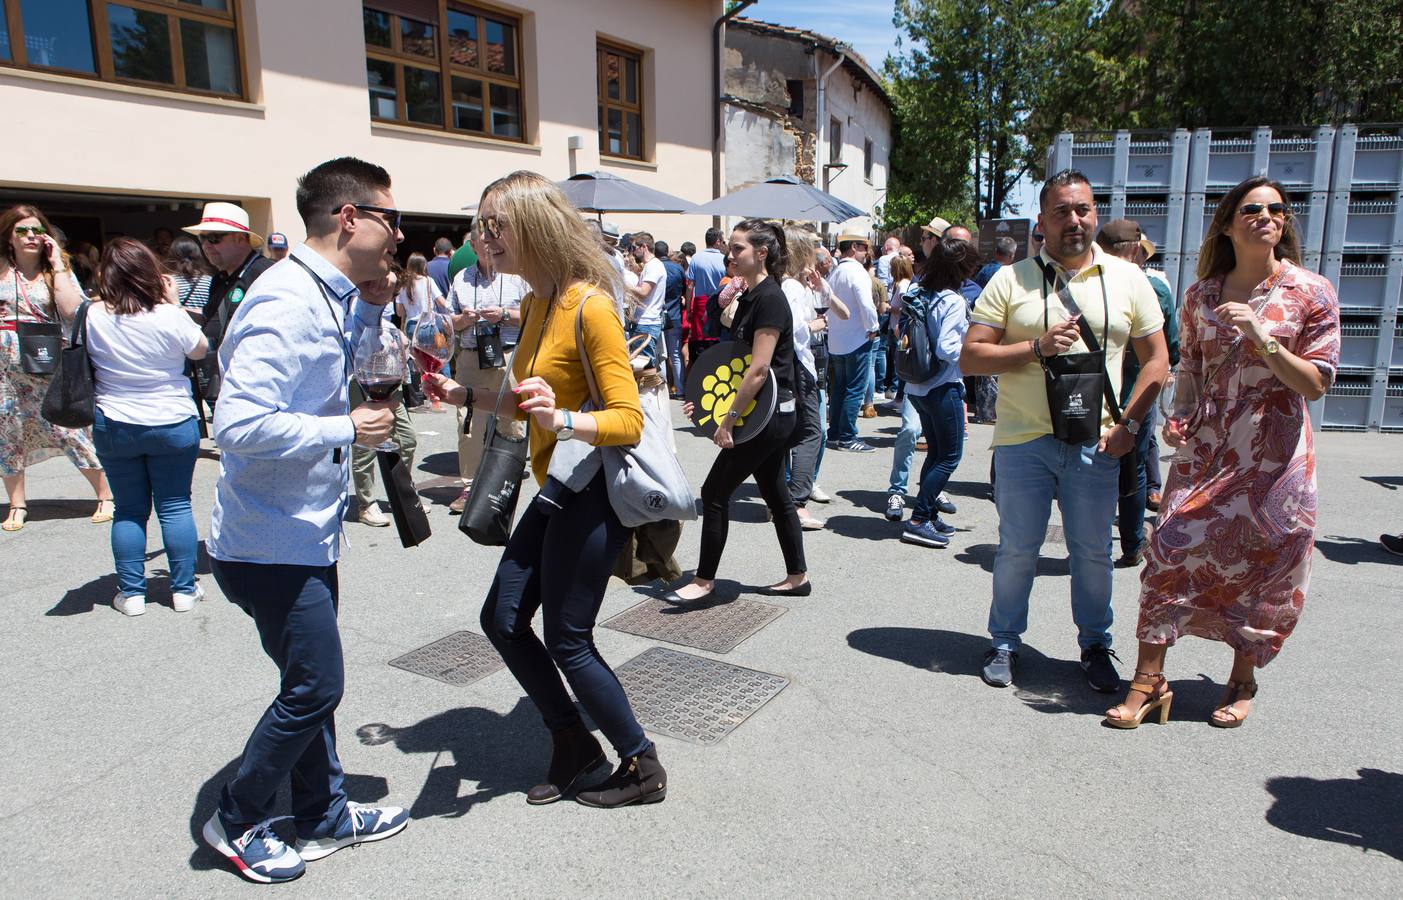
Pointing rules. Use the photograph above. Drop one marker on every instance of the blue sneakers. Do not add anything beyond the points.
(360, 824)
(942, 526)
(258, 854)
(924, 533)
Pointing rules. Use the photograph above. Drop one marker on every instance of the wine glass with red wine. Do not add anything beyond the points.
(379, 364)
(433, 341)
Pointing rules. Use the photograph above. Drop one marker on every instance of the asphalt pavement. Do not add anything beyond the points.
(884, 766)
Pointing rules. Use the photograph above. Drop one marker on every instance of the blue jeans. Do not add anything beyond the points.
(148, 464)
(876, 383)
(942, 414)
(558, 560)
(654, 350)
(1084, 482)
(1132, 505)
(905, 449)
(674, 358)
(823, 425)
(850, 374)
(294, 609)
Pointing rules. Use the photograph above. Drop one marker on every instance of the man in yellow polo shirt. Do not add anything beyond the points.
(1019, 321)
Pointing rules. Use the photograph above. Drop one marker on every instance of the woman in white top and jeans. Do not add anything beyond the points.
(419, 295)
(145, 430)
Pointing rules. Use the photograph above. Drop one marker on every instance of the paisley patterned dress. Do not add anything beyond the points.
(25, 438)
(1231, 554)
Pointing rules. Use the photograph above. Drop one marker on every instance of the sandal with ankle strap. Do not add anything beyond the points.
(1156, 697)
(10, 524)
(1236, 692)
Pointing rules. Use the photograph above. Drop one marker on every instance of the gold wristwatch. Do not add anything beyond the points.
(1270, 348)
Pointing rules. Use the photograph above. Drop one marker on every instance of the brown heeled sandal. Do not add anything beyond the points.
(1236, 692)
(1156, 697)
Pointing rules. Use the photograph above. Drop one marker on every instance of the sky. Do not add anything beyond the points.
(867, 25)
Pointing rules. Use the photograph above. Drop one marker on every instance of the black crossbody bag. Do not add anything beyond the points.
(39, 342)
(69, 401)
(1078, 383)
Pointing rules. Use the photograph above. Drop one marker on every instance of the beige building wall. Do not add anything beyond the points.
(305, 65)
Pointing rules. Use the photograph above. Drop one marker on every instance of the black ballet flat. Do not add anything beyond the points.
(802, 590)
(677, 600)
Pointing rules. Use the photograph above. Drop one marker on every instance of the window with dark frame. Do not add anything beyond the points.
(867, 159)
(835, 141)
(184, 45)
(620, 101)
(795, 88)
(444, 65)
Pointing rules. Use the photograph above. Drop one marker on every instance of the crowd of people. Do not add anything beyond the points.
(558, 320)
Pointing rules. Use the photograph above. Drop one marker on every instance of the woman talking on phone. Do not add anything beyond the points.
(37, 287)
(764, 321)
(560, 556)
(1230, 556)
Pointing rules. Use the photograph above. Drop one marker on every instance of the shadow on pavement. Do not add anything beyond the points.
(502, 754)
(100, 591)
(1361, 812)
(445, 463)
(1351, 551)
(51, 510)
(982, 555)
(725, 591)
(867, 528)
(360, 788)
(1390, 482)
(1044, 683)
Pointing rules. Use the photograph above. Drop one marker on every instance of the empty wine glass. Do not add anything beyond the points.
(433, 341)
(379, 366)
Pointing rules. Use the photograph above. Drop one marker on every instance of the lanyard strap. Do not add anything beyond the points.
(327, 293)
(1065, 295)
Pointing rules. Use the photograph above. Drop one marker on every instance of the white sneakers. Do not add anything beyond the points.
(135, 605)
(186, 602)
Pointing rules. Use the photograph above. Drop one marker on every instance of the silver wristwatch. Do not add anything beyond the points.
(567, 431)
(1131, 425)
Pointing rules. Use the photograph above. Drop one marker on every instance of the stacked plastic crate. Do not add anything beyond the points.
(1135, 175)
(1364, 260)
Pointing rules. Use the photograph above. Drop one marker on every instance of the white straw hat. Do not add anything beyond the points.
(229, 218)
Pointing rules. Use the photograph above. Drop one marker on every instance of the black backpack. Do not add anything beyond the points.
(916, 360)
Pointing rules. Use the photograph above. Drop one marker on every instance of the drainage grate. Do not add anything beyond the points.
(1055, 535)
(693, 698)
(459, 659)
(717, 628)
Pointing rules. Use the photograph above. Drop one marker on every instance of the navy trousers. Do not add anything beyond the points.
(294, 609)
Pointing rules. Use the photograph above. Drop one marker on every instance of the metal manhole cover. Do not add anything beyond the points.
(693, 698)
(1055, 535)
(459, 659)
(718, 628)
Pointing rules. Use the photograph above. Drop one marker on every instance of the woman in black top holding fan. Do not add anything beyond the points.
(762, 320)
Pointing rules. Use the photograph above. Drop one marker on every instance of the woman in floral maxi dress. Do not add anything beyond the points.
(32, 270)
(1231, 553)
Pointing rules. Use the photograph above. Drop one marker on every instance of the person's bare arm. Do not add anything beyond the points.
(1153, 349)
(984, 352)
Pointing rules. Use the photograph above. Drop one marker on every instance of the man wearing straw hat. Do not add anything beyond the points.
(850, 341)
(232, 248)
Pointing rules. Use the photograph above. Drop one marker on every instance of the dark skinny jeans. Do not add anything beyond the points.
(943, 422)
(559, 561)
(763, 456)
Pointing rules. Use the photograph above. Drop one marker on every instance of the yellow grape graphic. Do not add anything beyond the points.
(719, 391)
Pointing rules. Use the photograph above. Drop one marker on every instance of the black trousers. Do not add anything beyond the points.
(764, 457)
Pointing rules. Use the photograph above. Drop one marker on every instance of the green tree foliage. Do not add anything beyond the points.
(981, 88)
(966, 79)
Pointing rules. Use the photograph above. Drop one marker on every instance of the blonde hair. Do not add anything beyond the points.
(901, 269)
(800, 244)
(552, 242)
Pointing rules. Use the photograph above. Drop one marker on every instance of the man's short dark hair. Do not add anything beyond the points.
(641, 237)
(442, 246)
(844, 246)
(713, 235)
(660, 248)
(1064, 178)
(688, 249)
(335, 183)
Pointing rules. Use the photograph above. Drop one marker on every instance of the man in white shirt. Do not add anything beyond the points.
(850, 342)
(482, 301)
(890, 251)
(647, 298)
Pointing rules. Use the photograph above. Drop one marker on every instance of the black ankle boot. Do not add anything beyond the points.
(639, 779)
(575, 752)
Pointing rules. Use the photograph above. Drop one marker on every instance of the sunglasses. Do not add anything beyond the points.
(491, 226)
(392, 216)
(22, 230)
(1251, 210)
(212, 237)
